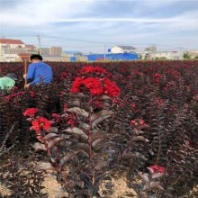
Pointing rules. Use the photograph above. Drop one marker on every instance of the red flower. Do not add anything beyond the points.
(141, 122)
(56, 117)
(96, 70)
(41, 123)
(110, 88)
(62, 93)
(30, 112)
(32, 93)
(195, 97)
(157, 78)
(133, 105)
(159, 101)
(65, 107)
(133, 123)
(8, 97)
(98, 104)
(156, 169)
(76, 85)
(71, 120)
(63, 75)
(96, 86)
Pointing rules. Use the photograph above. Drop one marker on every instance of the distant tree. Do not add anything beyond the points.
(161, 58)
(186, 56)
(196, 57)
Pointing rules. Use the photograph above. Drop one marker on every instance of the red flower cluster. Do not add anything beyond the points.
(110, 88)
(71, 120)
(159, 101)
(157, 78)
(97, 70)
(136, 72)
(14, 95)
(30, 112)
(56, 117)
(32, 94)
(41, 123)
(133, 105)
(63, 75)
(137, 122)
(96, 86)
(156, 169)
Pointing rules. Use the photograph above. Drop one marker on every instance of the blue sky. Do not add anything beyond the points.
(96, 25)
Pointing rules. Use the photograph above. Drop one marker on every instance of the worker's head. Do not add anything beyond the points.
(12, 76)
(35, 58)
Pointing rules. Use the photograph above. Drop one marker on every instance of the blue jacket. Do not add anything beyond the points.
(39, 72)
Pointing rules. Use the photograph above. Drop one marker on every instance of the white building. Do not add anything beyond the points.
(12, 43)
(122, 49)
(6, 49)
(169, 55)
(193, 54)
(11, 48)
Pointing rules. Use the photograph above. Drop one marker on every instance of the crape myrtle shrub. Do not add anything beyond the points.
(155, 122)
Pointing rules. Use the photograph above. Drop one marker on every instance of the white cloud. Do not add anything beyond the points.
(63, 21)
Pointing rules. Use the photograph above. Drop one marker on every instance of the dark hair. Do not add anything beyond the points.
(12, 75)
(36, 56)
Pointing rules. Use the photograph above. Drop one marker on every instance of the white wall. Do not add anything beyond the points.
(168, 55)
(116, 50)
(11, 57)
(12, 45)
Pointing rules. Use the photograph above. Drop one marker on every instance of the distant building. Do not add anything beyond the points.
(31, 49)
(193, 54)
(75, 56)
(122, 49)
(11, 49)
(55, 51)
(151, 49)
(44, 51)
(168, 55)
(11, 43)
(73, 53)
(56, 58)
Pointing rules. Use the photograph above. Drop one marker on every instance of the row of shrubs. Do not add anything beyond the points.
(153, 128)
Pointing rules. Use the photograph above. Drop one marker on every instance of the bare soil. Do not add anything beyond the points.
(54, 190)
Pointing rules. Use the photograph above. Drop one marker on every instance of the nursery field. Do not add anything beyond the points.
(112, 130)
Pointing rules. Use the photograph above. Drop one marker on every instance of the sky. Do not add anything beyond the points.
(97, 25)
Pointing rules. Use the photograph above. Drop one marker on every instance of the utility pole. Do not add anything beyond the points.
(8, 47)
(104, 52)
(181, 53)
(39, 44)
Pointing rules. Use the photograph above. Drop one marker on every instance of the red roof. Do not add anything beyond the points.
(10, 41)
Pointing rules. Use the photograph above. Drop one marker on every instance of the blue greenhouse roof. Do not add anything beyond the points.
(121, 56)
